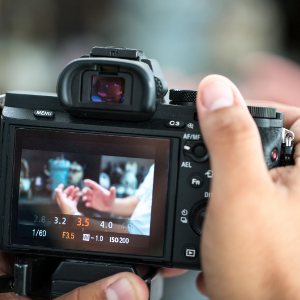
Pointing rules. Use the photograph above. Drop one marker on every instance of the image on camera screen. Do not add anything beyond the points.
(108, 89)
(95, 192)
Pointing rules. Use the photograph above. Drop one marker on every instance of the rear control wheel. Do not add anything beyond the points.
(197, 216)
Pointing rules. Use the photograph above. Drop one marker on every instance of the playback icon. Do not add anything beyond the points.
(190, 252)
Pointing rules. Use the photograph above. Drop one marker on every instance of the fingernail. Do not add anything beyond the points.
(217, 95)
(120, 290)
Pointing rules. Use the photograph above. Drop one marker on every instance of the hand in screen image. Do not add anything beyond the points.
(67, 199)
(136, 207)
(98, 197)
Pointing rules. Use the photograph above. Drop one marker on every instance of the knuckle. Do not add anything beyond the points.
(78, 295)
(74, 295)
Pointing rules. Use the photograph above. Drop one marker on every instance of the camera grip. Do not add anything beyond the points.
(271, 138)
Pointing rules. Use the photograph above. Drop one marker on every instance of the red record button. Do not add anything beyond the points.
(274, 154)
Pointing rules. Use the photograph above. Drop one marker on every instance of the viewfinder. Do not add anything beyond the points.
(108, 89)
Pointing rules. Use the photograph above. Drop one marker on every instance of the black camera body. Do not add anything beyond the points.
(44, 137)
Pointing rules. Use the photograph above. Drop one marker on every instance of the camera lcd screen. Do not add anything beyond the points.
(108, 89)
(90, 192)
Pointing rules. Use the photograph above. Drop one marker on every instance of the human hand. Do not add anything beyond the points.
(251, 233)
(67, 199)
(98, 197)
(122, 286)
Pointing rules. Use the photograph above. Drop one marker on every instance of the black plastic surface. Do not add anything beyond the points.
(73, 274)
(181, 196)
(6, 284)
(117, 52)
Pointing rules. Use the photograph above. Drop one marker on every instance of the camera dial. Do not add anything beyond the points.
(183, 97)
(189, 97)
(197, 216)
(262, 112)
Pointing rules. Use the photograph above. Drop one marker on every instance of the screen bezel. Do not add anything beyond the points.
(22, 241)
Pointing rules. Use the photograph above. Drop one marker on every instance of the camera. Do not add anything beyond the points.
(107, 171)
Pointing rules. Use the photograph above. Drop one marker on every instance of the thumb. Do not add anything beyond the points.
(59, 193)
(60, 187)
(113, 193)
(122, 286)
(230, 134)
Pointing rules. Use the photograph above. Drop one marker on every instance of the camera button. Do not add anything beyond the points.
(43, 113)
(197, 216)
(190, 252)
(195, 181)
(274, 154)
(200, 151)
(174, 124)
(196, 151)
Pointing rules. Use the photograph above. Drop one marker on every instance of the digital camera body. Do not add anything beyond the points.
(43, 136)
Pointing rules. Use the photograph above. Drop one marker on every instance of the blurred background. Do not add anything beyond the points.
(190, 39)
(256, 43)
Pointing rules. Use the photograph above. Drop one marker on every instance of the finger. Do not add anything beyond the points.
(113, 192)
(91, 183)
(74, 192)
(86, 191)
(77, 198)
(167, 272)
(60, 187)
(89, 204)
(291, 113)
(87, 198)
(68, 190)
(12, 296)
(6, 263)
(230, 135)
(297, 157)
(296, 129)
(59, 195)
(122, 286)
(201, 284)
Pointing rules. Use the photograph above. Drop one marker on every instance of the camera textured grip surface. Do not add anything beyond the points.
(271, 138)
(159, 87)
(183, 96)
